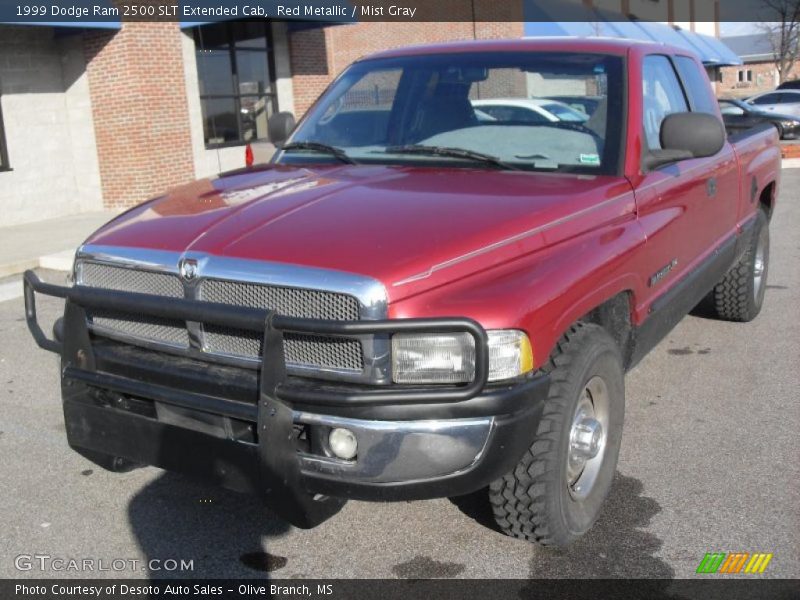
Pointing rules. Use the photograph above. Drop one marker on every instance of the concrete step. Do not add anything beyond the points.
(50, 244)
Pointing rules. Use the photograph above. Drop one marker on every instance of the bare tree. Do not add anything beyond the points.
(782, 28)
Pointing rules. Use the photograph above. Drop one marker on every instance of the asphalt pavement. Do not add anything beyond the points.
(709, 463)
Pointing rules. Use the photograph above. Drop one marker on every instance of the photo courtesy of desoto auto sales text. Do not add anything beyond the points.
(344, 299)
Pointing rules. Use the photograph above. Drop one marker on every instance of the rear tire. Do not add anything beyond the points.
(739, 296)
(555, 492)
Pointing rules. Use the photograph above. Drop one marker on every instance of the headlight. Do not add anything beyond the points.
(450, 357)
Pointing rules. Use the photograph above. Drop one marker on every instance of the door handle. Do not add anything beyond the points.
(711, 187)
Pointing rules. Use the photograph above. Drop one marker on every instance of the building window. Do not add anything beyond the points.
(237, 87)
(4, 166)
(745, 76)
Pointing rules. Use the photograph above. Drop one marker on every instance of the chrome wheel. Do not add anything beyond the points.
(587, 438)
(760, 263)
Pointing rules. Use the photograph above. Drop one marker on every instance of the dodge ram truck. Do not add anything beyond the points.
(416, 298)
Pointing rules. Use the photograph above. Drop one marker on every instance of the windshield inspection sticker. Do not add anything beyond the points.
(589, 159)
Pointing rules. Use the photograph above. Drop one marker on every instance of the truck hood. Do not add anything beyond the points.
(411, 228)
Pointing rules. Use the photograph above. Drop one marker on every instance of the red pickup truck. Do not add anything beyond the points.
(422, 295)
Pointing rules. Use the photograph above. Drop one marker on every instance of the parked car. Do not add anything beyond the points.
(584, 104)
(785, 102)
(793, 84)
(528, 110)
(739, 116)
(432, 307)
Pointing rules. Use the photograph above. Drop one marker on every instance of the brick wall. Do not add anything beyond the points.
(140, 111)
(763, 79)
(319, 55)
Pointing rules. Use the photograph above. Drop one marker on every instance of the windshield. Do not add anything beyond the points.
(487, 103)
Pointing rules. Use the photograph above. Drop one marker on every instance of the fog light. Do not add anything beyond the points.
(343, 443)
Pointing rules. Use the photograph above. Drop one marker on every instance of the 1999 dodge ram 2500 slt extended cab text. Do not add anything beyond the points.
(418, 298)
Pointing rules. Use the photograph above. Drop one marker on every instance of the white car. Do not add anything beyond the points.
(530, 110)
(785, 102)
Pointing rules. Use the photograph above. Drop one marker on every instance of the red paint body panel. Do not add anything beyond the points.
(534, 251)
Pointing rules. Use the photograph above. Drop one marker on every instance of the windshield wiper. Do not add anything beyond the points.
(320, 147)
(452, 152)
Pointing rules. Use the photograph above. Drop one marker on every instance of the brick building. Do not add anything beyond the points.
(110, 116)
(757, 74)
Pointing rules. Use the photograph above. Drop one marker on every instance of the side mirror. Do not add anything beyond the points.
(687, 135)
(280, 126)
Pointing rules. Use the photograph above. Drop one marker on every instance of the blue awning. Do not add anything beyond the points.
(710, 50)
(726, 55)
(664, 33)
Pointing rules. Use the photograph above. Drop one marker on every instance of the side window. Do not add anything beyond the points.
(768, 99)
(789, 99)
(697, 85)
(662, 96)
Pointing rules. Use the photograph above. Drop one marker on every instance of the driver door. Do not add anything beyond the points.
(683, 206)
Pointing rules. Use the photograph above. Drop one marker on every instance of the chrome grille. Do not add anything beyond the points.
(303, 350)
(292, 302)
(306, 351)
(151, 329)
(129, 280)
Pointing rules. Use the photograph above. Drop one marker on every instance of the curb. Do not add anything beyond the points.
(16, 268)
(59, 261)
(10, 290)
(790, 163)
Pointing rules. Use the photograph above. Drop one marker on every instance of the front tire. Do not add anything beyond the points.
(739, 296)
(555, 492)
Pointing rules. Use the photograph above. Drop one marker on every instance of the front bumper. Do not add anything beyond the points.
(265, 432)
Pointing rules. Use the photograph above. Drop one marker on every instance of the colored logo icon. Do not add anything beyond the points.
(734, 562)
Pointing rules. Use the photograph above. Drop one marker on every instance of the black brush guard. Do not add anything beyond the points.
(278, 462)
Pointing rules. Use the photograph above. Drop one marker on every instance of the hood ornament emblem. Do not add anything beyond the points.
(188, 269)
